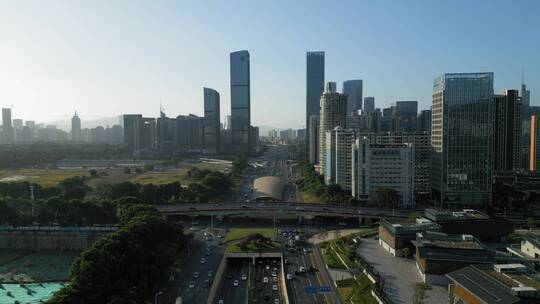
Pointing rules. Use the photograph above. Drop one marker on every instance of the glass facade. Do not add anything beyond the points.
(314, 84)
(353, 90)
(462, 139)
(240, 101)
(212, 127)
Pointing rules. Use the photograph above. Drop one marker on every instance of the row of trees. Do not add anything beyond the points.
(213, 186)
(313, 184)
(127, 266)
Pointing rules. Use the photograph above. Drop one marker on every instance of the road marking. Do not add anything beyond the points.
(319, 278)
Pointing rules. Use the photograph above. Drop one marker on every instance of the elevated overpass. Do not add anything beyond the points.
(281, 210)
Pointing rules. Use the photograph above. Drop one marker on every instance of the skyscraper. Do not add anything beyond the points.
(165, 128)
(423, 123)
(314, 84)
(75, 128)
(353, 90)
(405, 112)
(525, 99)
(240, 101)
(507, 132)
(313, 140)
(461, 137)
(8, 135)
(333, 114)
(369, 105)
(339, 143)
(212, 129)
(227, 122)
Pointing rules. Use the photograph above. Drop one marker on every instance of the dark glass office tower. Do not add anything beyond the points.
(507, 132)
(314, 85)
(240, 101)
(353, 90)
(212, 127)
(462, 139)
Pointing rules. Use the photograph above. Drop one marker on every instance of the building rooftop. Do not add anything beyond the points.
(409, 227)
(489, 291)
(438, 215)
(268, 187)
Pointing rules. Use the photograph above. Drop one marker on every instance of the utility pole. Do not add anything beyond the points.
(32, 203)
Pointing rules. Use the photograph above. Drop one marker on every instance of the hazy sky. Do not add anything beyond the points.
(104, 58)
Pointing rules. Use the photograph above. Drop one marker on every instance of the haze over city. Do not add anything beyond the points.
(105, 58)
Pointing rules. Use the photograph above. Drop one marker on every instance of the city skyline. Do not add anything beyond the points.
(111, 78)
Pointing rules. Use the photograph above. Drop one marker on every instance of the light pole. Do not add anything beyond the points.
(157, 296)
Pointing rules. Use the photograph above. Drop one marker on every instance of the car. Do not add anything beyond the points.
(266, 297)
(220, 236)
(196, 275)
(274, 274)
(244, 206)
(267, 267)
(289, 276)
(206, 283)
(191, 284)
(276, 301)
(235, 283)
(210, 273)
(274, 287)
(286, 261)
(244, 277)
(275, 279)
(221, 302)
(203, 260)
(312, 269)
(302, 269)
(265, 280)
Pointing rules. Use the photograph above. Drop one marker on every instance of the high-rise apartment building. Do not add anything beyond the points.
(338, 157)
(333, 114)
(507, 132)
(376, 166)
(461, 136)
(369, 105)
(240, 101)
(165, 129)
(534, 146)
(189, 133)
(139, 133)
(8, 135)
(314, 84)
(353, 90)
(212, 129)
(421, 143)
(313, 131)
(76, 128)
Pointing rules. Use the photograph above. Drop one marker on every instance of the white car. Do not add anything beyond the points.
(274, 287)
(221, 302)
(274, 274)
(244, 277)
(210, 273)
(302, 269)
(203, 260)
(265, 280)
(267, 267)
(276, 301)
(235, 283)
(196, 275)
(191, 284)
(289, 276)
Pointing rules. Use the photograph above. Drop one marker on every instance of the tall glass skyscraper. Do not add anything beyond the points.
(314, 84)
(212, 127)
(353, 90)
(240, 101)
(462, 139)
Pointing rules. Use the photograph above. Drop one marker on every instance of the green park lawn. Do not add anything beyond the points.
(43, 177)
(235, 234)
(235, 248)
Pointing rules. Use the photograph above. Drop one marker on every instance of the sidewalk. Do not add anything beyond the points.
(400, 274)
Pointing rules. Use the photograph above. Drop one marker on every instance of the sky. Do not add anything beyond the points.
(106, 58)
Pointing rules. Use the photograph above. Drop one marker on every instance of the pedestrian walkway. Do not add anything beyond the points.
(400, 274)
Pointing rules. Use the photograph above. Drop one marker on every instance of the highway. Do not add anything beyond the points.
(230, 293)
(276, 208)
(199, 293)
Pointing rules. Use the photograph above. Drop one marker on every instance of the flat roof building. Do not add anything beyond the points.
(268, 188)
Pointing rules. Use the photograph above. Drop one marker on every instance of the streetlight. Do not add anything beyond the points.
(157, 296)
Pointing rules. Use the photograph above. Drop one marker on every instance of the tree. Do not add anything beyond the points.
(138, 170)
(531, 221)
(93, 173)
(127, 170)
(385, 197)
(414, 215)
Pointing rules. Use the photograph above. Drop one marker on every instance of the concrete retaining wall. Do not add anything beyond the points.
(216, 283)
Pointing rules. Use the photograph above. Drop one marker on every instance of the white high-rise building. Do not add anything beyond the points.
(339, 157)
(376, 166)
(333, 114)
